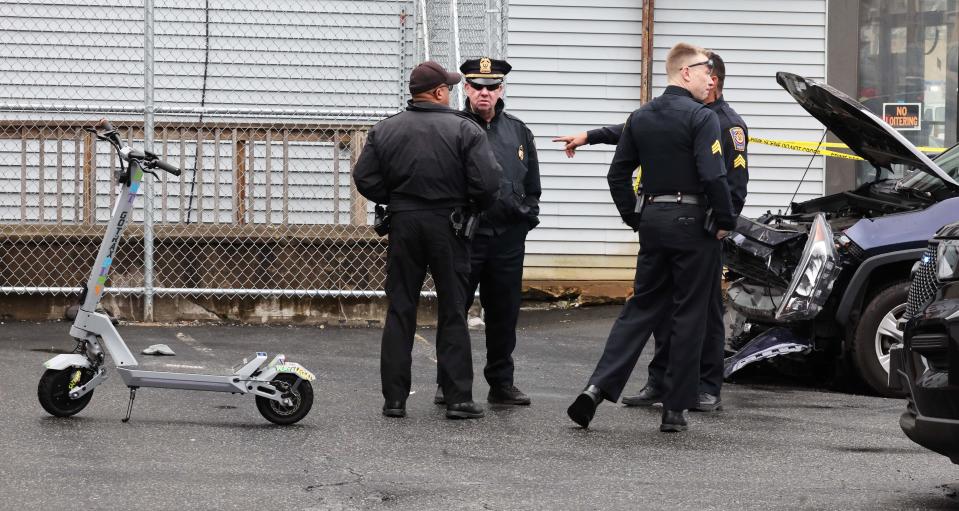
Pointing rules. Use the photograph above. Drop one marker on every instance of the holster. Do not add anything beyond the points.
(381, 219)
(709, 223)
(464, 223)
(640, 202)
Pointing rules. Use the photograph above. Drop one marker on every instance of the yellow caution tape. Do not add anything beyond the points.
(824, 148)
(803, 147)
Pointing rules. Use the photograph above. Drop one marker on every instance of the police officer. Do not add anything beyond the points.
(675, 138)
(734, 137)
(428, 163)
(500, 243)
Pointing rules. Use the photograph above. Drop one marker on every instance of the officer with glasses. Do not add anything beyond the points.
(675, 139)
(734, 135)
(500, 243)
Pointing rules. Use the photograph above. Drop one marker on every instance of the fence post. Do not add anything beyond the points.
(148, 145)
(358, 203)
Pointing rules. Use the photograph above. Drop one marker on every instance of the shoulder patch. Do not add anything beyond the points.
(717, 148)
(739, 138)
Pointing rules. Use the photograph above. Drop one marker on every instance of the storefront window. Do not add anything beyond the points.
(908, 62)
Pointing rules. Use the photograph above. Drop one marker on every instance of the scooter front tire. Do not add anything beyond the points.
(302, 395)
(54, 386)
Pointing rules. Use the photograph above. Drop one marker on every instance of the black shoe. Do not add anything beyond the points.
(649, 396)
(584, 407)
(507, 395)
(708, 403)
(439, 398)
(464, 410)
(394, 409)
(673, 421)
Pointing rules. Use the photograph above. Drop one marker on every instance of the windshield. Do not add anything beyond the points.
(948, 161)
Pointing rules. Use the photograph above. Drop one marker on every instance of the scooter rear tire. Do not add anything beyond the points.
(54, 386)
(276, 413)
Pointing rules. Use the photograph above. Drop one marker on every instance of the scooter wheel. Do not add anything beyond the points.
(299, 390)
(54, 386)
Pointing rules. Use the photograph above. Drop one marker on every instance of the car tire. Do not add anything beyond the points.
(875, 332)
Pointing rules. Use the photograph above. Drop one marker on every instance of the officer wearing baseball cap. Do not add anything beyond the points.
(500, 243)
(428, 163)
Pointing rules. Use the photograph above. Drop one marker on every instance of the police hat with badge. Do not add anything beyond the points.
(485, 72)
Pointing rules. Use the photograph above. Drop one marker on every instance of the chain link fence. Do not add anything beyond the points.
(265, 107)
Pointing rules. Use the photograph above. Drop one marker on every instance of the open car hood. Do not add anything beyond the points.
(866, 134)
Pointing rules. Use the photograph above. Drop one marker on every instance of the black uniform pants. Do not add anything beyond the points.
(711, 361)
(497, 268)
(675, 270)
(421, 240)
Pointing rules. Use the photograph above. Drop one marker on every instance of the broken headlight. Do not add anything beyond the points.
(947, 260)
(813, 279)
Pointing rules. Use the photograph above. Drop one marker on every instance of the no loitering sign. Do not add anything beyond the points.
(903, 116)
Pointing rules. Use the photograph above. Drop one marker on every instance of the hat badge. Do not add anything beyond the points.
(486, 65)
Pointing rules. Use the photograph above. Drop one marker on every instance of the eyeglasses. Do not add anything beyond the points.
(478, 86)
(708, 63)
(447, 86)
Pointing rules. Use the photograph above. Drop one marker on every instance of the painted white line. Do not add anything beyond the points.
(432, 351)
(193, 343)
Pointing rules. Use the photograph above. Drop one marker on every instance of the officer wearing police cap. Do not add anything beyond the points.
(500, 243)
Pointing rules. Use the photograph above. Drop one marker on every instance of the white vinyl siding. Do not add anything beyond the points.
(757, 38)
(577, 66)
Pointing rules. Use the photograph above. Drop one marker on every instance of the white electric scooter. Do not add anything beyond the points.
(283, 391)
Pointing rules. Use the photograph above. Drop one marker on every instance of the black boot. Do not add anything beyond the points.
(708, 403)
(394, 409)
(584, 407)
(649, 396)
(507, 395)
(673, 421)
(439, 398)
(464, 410)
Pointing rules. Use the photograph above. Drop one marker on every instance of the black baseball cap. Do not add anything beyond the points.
(430, 75)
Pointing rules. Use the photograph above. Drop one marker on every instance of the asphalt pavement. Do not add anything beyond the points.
(775, 446)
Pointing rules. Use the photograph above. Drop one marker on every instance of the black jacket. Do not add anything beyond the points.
(737, 170)
(429, 156)
(735, 138)
(676, 141)
(519, 191)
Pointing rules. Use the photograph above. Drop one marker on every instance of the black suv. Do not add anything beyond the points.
(828, 281)
(926, 364)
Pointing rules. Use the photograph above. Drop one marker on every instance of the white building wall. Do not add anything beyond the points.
(578, 66)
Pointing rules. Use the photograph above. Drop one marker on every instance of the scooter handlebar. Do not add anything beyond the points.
(167, 167)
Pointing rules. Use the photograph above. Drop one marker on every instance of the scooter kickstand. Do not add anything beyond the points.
(133, 395)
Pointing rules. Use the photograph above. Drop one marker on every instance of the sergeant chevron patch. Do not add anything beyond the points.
(717, 149)
(739, 162)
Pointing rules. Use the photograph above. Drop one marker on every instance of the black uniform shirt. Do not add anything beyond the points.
(515, 150)
(428, 157)
(676, 141)
(734, 136)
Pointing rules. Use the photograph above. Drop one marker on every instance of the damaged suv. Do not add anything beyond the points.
(829, 280)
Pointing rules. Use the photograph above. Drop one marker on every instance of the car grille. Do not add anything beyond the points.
(924, 283)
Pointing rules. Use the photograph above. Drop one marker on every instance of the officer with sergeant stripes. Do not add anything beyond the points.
(675, 139)
(735, 138)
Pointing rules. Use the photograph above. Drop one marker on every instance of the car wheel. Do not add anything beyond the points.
(876, 333)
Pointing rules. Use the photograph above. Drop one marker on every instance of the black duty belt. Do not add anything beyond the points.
(677, 198)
